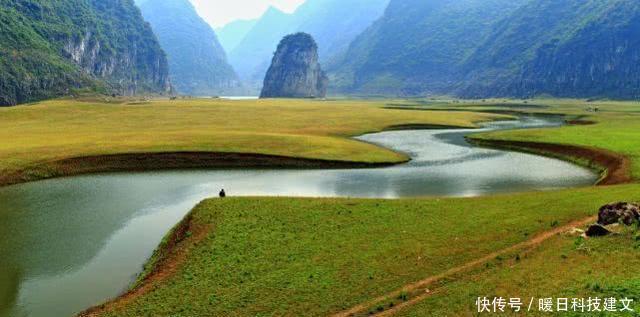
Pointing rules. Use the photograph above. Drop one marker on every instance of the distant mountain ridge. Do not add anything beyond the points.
(52, 48)
(465, 48)
(488, 48)
(232, 34)
(197, 62)
(417, 46)
(251, 56)
(333, 23)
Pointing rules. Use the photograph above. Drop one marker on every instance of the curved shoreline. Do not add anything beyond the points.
(166, 259)
(174, 249)
(614, 168)
(158, 161)
(139, 162)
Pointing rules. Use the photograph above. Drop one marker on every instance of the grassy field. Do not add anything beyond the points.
(33, 136)
(616, 128)
(314, 257)
(564, 267)
(292, 257)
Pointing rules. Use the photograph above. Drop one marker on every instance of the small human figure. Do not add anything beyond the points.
(223, 194)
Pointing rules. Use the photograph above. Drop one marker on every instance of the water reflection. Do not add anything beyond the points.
(70, 243)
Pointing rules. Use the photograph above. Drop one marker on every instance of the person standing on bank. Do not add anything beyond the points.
(223, 194)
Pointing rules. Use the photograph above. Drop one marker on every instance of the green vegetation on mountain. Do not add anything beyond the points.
(566, 48)
(417, 46)
(52, 48)
(335, 23)
(197, 62)
(472, 48)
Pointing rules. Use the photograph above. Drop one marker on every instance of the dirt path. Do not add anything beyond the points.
(418, 291)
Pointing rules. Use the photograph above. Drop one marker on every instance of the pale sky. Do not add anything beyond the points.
(220, 12)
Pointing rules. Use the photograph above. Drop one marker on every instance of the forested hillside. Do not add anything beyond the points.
(488, 48)
(570, 48)
(418, 46)
(197, 62)
(52, 48)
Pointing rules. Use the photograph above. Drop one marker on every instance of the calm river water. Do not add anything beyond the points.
(67, 244)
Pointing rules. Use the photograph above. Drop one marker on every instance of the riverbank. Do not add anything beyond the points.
(294, 256)
(65, 137)
(134, 211)
(309, 263)
(164, 262)
(140, 162)
(614, 168)
(346, 275)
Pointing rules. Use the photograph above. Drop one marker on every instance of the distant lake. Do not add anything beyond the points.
(71, 243)
(240, 97)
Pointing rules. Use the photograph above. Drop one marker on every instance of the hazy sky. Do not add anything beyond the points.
(221, 12)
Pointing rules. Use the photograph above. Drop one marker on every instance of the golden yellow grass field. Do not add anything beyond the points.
(60, 129)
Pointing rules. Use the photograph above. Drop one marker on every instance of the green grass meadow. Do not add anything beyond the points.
(316, 257)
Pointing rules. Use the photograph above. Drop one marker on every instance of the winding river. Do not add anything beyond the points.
(70, 243)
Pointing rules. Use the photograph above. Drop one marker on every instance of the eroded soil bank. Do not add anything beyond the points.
(138, 162)
(614, 168)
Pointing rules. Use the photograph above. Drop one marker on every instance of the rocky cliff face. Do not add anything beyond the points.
(332, 23)
(295, 71)
(52, 48)
(121, 49)
(128, 72)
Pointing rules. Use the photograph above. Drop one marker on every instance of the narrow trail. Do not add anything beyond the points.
(419, 290)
